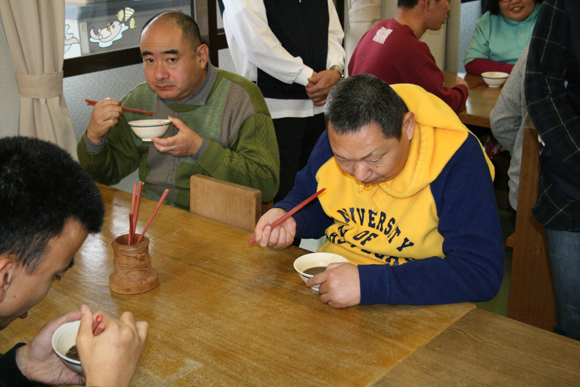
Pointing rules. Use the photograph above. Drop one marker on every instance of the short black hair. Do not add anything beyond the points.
(363, 99)
(493, 6)
(184, 22)
(409, 3)
(41, 188)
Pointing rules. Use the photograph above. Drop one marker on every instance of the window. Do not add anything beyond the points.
(104, 34)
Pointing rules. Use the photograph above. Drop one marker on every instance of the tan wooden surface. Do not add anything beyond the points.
(480, 102)
(229, 314)
(227, 202)
(486, 349)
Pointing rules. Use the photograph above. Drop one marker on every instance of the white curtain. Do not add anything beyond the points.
(35, 34)
(362, 16)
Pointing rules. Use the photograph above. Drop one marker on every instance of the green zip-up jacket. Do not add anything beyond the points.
(228, 112)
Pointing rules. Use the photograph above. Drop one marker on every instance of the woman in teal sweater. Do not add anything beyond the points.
(501, 35)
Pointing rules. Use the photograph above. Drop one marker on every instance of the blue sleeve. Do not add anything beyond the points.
(472, 269)
(311, 221)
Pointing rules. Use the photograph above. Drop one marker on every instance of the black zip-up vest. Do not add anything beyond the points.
(302, 28)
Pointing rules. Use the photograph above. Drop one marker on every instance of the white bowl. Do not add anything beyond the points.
(63, 339)
(146, 129)
(313, 260)
(494, 78)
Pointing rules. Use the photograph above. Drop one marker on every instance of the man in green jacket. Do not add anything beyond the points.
(221, 126)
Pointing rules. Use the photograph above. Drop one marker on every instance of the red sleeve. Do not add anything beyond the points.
(481, 65)
(431, 78)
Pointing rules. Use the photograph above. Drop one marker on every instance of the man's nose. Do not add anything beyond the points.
(160, 71)
(362, 172)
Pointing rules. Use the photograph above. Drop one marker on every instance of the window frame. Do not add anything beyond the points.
(114, 59)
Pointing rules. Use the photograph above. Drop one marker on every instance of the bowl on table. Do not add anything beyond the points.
(63, 339)
(311, 264)
(146, 129)
(494, 78)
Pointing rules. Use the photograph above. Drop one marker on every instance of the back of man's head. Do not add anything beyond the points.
(181, 21)
(42, 187)
(410, 4)
(407, 3)
(363, 99)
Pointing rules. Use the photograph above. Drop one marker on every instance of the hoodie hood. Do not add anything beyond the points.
(438, 135)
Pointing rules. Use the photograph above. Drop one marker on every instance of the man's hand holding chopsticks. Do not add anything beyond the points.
(105, 115)
(281, 236)
(111, 358)
(186, 143)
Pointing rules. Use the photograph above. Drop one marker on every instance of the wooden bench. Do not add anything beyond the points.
(531, 295)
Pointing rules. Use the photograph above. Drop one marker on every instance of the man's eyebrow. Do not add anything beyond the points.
(365, 157)
(166, 52)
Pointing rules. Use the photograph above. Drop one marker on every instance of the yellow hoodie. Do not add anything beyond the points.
(362, 231)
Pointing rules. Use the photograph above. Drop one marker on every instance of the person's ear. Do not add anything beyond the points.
(7, 262)
(202, 55)
(409, 125)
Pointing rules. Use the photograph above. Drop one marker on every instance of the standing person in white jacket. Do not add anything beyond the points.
(293, 51)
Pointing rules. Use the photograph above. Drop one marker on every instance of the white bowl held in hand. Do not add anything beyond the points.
(494, 78)
(146, 129)
(310, 264)
(63, 339)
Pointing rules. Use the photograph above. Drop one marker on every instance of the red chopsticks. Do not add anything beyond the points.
(289, 214)
(90, 102)
(97, 330)
(153, 214)
(133, 215)
(474, 85)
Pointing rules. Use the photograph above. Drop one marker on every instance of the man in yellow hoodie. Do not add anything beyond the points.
(409, 201)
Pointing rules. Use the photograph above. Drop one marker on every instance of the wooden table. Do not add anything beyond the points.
(226, 313)
(485, 349)
(229, 314)
(480, 102)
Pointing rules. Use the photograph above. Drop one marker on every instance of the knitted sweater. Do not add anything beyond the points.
(228, 112)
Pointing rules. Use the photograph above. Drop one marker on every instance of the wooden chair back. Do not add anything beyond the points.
(531, 296)
(226, 202)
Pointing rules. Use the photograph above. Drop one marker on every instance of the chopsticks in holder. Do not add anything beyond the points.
(289, 214)
(153, 214)
(93, 103)
(136, 211)
(131, 215)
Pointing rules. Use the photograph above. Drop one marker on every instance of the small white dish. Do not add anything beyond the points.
(146, 129)
(494, 78)
(63, 339)
(315, 260)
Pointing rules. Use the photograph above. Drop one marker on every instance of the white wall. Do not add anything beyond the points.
(97, 86)
(470, 13)
(9, 97)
